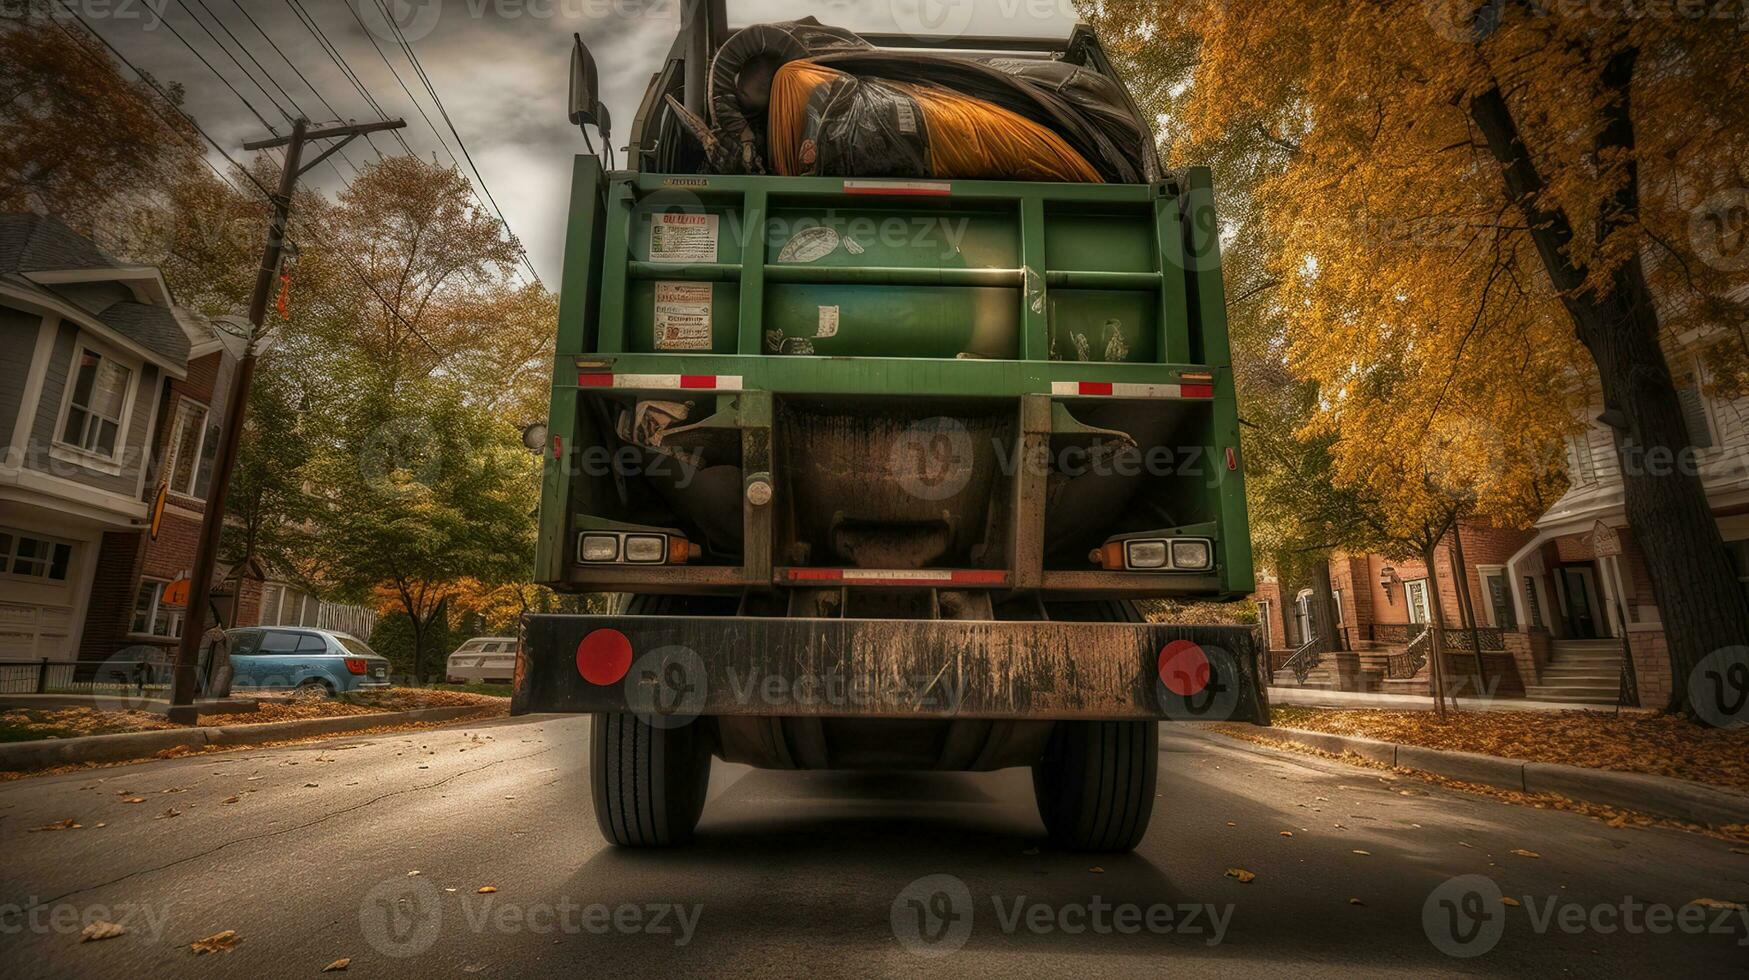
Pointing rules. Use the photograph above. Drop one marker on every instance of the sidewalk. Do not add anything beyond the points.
(1305, 697)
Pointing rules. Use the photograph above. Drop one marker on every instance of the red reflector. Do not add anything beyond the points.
(1232, 458)
(1184, 668)
(357, 665)
(698, 381)
(596, 380)
(604, 656)
(1095, 387)
(558, 447)
(1196, 391)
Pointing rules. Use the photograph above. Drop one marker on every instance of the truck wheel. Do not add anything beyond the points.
(649, 782)
(1095, 784)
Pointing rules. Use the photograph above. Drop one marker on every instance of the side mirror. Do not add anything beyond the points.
(585, 102)
(534, 438)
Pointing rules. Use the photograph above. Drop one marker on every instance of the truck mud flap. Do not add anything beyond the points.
(675, 668)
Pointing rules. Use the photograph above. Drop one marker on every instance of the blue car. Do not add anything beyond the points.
(304, 659)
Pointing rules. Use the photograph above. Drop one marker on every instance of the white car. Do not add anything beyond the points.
(483, 660)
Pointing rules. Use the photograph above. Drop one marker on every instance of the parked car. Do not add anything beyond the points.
(483, 660)
(305, 659)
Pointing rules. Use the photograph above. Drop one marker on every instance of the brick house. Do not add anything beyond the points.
(1381, 606)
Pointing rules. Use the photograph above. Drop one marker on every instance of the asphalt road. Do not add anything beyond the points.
(826, 874)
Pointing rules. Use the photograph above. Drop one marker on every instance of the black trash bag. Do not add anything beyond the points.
(740, 84)
(1093, 95)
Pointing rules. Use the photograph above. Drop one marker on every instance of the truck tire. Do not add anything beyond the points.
(649, 783)
(1095, 784)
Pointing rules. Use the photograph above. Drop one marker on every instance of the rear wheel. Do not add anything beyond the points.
(649, 782)
(1095, 784)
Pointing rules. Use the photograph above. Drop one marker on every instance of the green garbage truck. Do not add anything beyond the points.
(875, 468)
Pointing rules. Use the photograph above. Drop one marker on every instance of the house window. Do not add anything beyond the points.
(1579, 461)
(1694, 410)
(94, 411)
(1415, 598)
(1531, 605)
(1494, 586)
(187, 444)
(151, 616)
(34, 557)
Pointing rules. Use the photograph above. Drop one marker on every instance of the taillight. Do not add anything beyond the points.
(357, 665)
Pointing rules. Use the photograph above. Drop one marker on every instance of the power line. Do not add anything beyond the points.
(334, 54)
(413, 58)
(221, 76)
(156, 110)
(259, 67)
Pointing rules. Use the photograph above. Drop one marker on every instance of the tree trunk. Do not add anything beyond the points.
(1461, 572)
(1436, 639)
(1702, 607)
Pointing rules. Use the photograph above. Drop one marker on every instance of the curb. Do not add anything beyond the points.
(126, 746)
(1663, 796)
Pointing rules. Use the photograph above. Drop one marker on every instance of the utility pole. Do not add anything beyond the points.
(182, 709)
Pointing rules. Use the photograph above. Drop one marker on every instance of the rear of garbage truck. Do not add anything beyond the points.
(878, 467)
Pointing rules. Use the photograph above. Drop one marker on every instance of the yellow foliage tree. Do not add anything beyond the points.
(1468, 206)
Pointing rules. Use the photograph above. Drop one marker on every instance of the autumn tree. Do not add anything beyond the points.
(405, 308)
(76, 136)
(1509, 190)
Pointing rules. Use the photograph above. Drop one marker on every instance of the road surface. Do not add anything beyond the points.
(826, 874)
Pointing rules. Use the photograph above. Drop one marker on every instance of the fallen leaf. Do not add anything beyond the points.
(229, 800)
(218, 942)
(339, 964)
(487, 889)
(1715, 903)
(1620, 820)
(1509, 900)
(309, 785)
(1287, 833)
(1355, 901)
(101, 930)
(1097, 870)
(135, 799)
(1245, 877)
(1030, 851)
(1521, 852)
(101, 825)
(168, 813)
(1231, 824)
(67, 824)
(412, 874)
(1363, 853)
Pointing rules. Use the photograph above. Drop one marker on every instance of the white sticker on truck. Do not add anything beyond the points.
(683, 316)
(678, 236)
(828, 322)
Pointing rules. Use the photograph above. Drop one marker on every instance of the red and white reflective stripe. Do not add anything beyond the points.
(902, 188)
(898, 576)
(1117, 389)
(660, 382)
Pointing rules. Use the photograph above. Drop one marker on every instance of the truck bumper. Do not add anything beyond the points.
(674, 668)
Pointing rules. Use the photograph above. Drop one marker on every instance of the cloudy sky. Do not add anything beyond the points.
(500, 67)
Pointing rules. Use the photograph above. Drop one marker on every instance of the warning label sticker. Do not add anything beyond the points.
(828, 326)
(680, 237)
(683, 316)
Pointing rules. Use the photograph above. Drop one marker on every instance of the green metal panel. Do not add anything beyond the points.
(1211, 311)
(1033, 277)
(578, 298)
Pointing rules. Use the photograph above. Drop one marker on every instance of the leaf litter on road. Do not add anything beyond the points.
(218, 942)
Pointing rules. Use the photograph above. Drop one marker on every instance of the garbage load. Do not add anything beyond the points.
(805, 98)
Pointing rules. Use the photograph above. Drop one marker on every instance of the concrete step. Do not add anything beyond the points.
(1585, 695)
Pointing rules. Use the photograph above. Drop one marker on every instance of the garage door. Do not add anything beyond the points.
(30, 631)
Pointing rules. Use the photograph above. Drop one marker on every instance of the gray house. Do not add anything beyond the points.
(88, 346)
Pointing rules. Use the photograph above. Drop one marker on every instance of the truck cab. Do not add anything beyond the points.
(879, 468)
